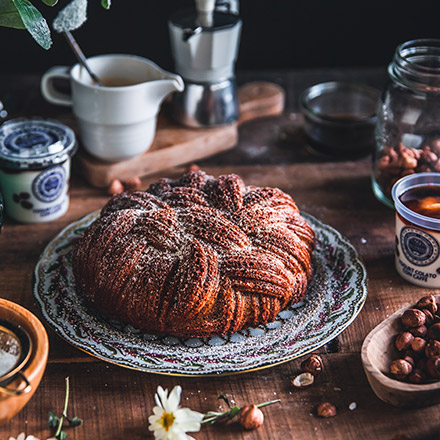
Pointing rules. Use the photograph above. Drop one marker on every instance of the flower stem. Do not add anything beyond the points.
(213, 417)
(270, 402)
(66, 401)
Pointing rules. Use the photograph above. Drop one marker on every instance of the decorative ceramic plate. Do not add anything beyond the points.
(333, 300)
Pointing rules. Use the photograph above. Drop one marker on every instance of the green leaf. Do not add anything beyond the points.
(62, 436)
(50, 2)
(76, 421)
(222, 397)
(234, 411)
(34, 23)
(9, 16)
(71, 17)
(106, 4)
(53, 420)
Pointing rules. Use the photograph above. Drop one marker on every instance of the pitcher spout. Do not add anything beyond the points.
(173, 83)
(165, 85)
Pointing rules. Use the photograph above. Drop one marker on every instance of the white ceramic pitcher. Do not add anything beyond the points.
(116, 121)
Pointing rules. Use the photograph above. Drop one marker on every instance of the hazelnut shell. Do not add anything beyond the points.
(413, 318)
(313, 365)
(403, 341)
(400, 369)
(303, 380)
(434, 332)
(419, 332)
(433, 367)
(326, 409)
(432, 348)
(418, 345)
(251, 417)
(427, 302)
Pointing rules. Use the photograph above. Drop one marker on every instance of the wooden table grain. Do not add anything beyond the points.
(115, 402)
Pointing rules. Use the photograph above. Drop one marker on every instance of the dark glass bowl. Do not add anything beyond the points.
(340, 118)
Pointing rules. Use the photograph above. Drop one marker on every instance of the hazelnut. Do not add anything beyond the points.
(192, 167)
(432, 348)
(408, 162)
(433, 367)
(419, 332)
(303, 380)
(251, 417)
(429, 317)
(434, 332)
(410, 358)
(313, 365)
(417, 376)
(427, 302)
(413, 318)
(115, 187)
(326, 409)
(403, 341)
(133, 184)
(400, 369)
(418, 345)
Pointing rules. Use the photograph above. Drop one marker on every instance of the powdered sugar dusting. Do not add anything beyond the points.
(238, 256)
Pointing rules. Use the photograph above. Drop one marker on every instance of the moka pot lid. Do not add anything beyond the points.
(187, 19)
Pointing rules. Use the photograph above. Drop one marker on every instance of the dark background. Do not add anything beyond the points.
(276, 34)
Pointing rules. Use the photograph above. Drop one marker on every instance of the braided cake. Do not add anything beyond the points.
(195, 257)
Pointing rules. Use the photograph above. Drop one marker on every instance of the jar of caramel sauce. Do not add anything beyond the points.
(417, 253)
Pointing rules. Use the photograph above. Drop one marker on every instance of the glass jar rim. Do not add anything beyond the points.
(416, 64)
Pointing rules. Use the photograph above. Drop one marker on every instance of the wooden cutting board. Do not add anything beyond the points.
(176, 145)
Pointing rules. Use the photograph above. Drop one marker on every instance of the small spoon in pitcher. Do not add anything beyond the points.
(70, 18)
(80, 56)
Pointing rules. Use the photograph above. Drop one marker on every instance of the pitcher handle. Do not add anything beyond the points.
(48, 90)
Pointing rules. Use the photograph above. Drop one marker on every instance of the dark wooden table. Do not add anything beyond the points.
(115, 402)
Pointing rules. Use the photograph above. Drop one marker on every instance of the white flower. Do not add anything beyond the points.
(170, 422)
(22, 437)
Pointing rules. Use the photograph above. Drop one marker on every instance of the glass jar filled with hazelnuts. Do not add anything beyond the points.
(408, 117)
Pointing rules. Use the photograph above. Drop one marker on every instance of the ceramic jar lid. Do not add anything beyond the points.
(35, 144)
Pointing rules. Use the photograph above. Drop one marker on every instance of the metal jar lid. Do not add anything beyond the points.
(35, 143)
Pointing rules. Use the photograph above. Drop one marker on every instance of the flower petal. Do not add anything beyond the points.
(158, 411)
(178, 434)
(161, 396)
(154, 419)
(174, 399)
(161, 434)
(188, 419)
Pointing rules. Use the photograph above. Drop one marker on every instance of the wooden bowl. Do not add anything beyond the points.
(378, 352)
(11, 404)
